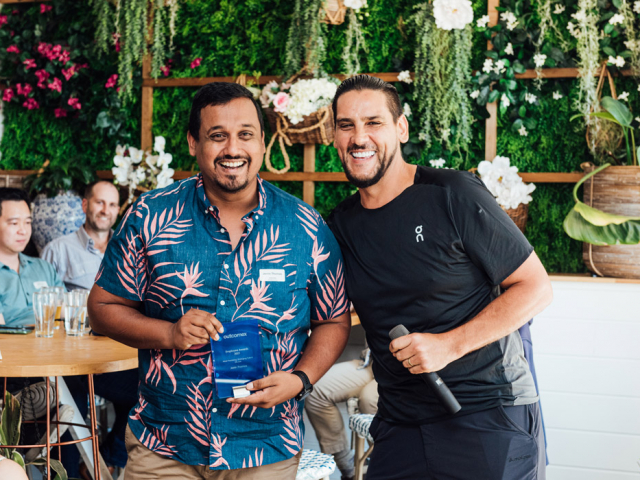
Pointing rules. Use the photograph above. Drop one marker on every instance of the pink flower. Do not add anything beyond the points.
(42, 75)
(74, 103)
(281, 101)
(69, 72)
(7, 95)
(113, 79)
(165, 70)
(60, 112)
(56, 85)
(24, 90)
(196, 62)
(64, 57)
(45, 8)
(15, 12)
(3, 20)
(15, 49)
(29, 63)
(30, 104)
(43, 48)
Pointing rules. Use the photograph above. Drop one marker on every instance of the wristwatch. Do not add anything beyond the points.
(307, 388)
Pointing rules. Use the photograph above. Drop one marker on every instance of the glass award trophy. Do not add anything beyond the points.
(237, 358)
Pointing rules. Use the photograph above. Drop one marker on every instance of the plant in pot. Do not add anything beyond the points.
(57, 206)
(608, 220)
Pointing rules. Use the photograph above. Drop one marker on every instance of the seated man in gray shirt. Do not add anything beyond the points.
(77, 256)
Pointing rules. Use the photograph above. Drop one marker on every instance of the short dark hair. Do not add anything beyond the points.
(367, 82)
(88, 190)
(218, 93)
(13, 195)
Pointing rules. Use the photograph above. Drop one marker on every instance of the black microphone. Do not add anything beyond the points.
(432, 379)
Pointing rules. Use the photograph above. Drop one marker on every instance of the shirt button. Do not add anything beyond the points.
(222, 302)
(226, 266)
(211, 209)
(214, 410)
(222, 230)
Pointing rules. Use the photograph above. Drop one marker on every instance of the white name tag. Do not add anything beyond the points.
(272, 275)
(39, 285)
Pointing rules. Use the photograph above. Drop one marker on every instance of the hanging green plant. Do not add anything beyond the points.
(141, 27)
(306, 44)
(443, 72)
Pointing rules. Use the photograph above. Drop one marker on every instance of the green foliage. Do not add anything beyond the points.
(69, 175)
(10, 427)
(306, 44)
(443, 74)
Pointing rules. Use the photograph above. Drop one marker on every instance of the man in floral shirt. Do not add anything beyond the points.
(191, 259)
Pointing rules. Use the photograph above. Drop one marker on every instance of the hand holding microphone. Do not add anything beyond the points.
(439, 388)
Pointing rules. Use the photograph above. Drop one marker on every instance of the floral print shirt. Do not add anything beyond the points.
(172, 254)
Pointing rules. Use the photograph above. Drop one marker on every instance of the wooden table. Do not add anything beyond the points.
(62, 355)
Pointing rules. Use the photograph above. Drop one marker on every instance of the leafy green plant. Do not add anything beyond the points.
(71, 175)
(10, 428)
(306, 44)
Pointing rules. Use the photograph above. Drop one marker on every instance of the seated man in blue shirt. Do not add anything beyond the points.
(20, 275)
(77, 257)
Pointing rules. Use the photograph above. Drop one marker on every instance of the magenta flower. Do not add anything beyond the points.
(69, 72)
(29, 63)
(113, 79)
(165, 70)
(44, 49)
(42, 75)
(13, 49)
(196, 62)
(60, 112)
(3, 20)
(56, 85)
(74, 103)
(7, 95)
(30, 104)
(64, 57)
(45, 8)
(24, 90)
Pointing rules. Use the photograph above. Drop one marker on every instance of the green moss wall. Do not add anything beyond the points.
(249, 36)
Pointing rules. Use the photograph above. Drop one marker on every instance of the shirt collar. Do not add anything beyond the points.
(254, 214)
(24, 261)
(85, 240)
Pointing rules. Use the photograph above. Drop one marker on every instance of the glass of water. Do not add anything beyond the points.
(44, 308)
(75, 312)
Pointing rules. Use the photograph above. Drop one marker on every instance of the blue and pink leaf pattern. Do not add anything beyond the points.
(171, 254)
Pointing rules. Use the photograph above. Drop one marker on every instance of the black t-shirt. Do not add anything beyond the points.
(432, 259)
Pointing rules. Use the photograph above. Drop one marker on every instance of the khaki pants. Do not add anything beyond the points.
(341, 382)
(144, 464)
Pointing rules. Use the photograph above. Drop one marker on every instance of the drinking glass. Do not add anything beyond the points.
(75, 312)
(44, 308)
(59, 291)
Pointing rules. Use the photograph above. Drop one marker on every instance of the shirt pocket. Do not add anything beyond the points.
(80, 269)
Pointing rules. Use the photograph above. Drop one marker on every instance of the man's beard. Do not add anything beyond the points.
(94, 225)
(381, 168)
(234, 185)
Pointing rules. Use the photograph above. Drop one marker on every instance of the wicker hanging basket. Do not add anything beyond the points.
(519, 215)
(608, 136)
(614, 190)
(315, 128)
(334, 11)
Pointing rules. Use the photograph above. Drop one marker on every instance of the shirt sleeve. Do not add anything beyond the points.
(327, 291)
(51, 255)
(490, 238)
(123, 269)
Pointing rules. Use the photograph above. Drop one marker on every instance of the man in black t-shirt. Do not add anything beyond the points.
(431, 249)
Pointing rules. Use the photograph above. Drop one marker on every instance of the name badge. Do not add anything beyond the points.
(39, 285)
(272, 275)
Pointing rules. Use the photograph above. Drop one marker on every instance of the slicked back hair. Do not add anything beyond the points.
(218, 93)
(367, 82)
(13, 195)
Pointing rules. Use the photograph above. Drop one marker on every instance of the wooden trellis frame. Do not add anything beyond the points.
(309, 176)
